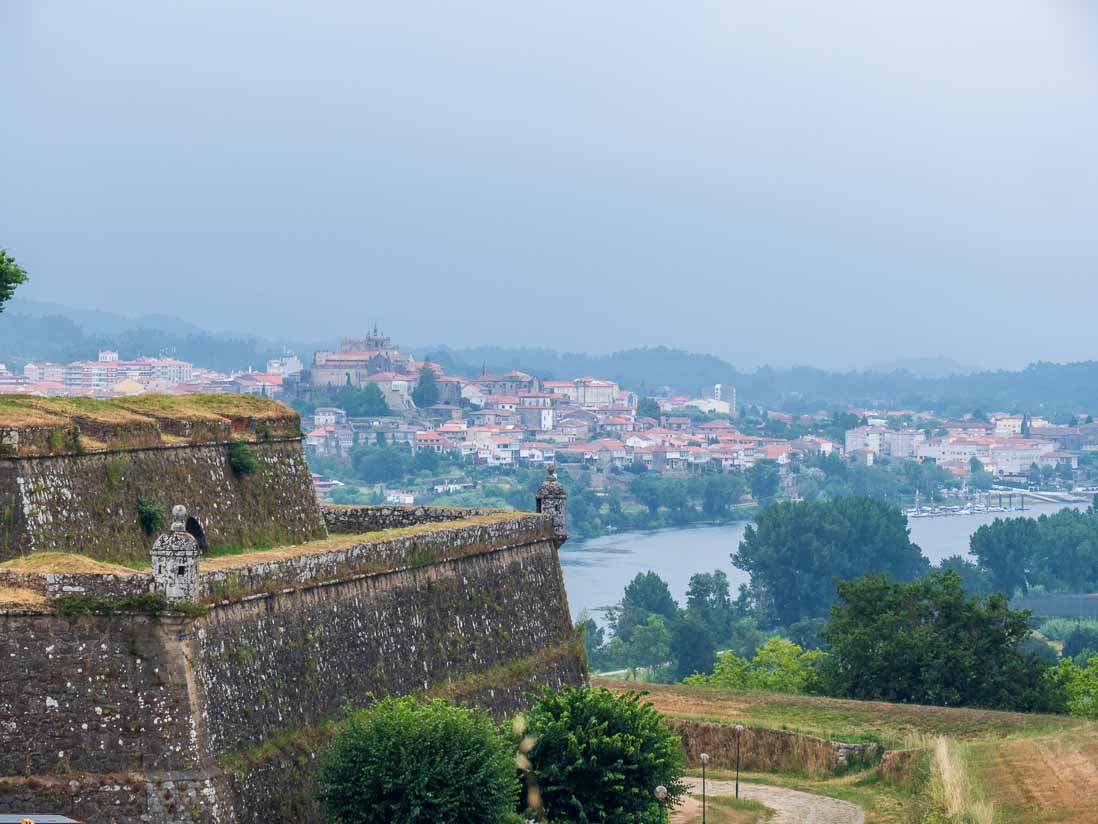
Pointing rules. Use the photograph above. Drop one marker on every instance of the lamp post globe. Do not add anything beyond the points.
(661, 797)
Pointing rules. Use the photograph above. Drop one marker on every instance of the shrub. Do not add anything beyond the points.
(598, 757)
(403, 762)
(150, 516)
(241, 458)
(1080, 640)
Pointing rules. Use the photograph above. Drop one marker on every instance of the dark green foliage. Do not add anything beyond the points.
(765, 481)
(722, 492)
(1081, 639)
(11, 275)
(709, 600)
(152, 603)
(598, 757)
(795, 551)
(649, 592)
(426, 391)
(648, 408)
(242, 460)
(403, 762)
(692, 648)
(975, 580)
(1005, 549)
(593, 636)
(380, 464)
(151, 516)
(1058, 552)
(928, 642)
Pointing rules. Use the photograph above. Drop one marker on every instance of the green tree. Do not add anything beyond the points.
(692, 648)
(426, 392)
(975, 580)
(795, 551)
(928, 642)
(1079, 686)
(598, 756)
(649, 643)
(721, 492)
(1005, 549)
(11, 275)
(380, 464)
(1081, 639)
(593, 636)
(405, 762)
(648, 408)
(778, 666)
(367, 402)
(709, 599)
(650, 593)
(765, 480)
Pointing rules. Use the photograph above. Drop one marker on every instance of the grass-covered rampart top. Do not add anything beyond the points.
(31, 425)
(220, 559)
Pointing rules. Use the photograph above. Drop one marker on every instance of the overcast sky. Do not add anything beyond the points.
(833, 184)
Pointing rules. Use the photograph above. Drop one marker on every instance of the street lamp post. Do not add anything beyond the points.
(739, 732)
(704, 760)
(661, 796)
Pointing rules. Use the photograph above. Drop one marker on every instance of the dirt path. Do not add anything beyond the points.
(791, 806)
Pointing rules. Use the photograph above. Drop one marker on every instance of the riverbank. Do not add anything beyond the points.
(596, 570)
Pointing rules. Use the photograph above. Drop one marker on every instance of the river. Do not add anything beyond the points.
(597, 570)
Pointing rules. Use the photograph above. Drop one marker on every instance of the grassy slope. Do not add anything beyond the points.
(1030, 767)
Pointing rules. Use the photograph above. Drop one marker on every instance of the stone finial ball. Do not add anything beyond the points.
(661, 792)
(179, 512)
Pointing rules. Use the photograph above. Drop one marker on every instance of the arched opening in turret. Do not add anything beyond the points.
(195, 529)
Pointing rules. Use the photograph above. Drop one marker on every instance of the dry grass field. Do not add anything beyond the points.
(983, 766)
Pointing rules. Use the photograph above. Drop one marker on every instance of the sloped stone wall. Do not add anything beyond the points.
(353, 520)
(218, 717)
(88, 503)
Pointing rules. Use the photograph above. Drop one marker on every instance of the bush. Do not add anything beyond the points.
(241, 458)
(403, 762)
(1080, 640)
(150, 516)
(598, 757)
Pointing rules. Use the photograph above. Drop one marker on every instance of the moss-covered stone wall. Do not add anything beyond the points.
(218, 716)
(88, 504)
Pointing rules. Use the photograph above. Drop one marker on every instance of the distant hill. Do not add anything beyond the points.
(32, 331)
(1057, 390)
(939, 367)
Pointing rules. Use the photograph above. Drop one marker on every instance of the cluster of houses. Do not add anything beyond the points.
(109, 377)
(1004, 445)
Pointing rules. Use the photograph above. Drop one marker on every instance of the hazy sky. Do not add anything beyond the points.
(786, 182)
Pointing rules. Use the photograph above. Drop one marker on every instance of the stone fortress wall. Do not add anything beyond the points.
(114, 708)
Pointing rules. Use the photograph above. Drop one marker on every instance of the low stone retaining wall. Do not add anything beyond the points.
(354, 520)
(373, 557)
(85, 585)
(767, 750)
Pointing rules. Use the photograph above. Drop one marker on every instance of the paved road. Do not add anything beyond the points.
(790, 806)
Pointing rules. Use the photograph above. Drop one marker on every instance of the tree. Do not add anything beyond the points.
(927, 642)
(692, 648)
(649, 643)
(708, 598)
(649, 491)
(650, 593)
(721, 492)
(1081, 639)
(795, 551)
(1005, 549)
(778, 666)
(598, 756)
(371, 403)
(975, 465)
(593, 635)
(973, 579)
(765, 480)
(405, 762)
(379, 464)
(426, 392)
(648, 408)
(11, 275)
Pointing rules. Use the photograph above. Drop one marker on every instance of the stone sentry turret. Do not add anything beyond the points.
(552, 500)
(175, 561)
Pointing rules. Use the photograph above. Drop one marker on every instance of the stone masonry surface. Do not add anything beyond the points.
(217, 717)
(87, 504)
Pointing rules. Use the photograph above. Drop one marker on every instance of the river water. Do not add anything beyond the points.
(597, 570)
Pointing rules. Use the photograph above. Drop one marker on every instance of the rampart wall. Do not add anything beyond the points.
(88, 504)
(217, 717)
